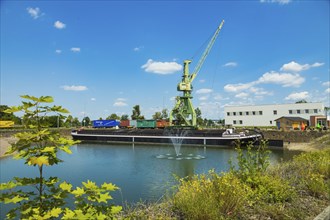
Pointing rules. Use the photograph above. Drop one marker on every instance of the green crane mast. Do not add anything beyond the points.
(184, 107)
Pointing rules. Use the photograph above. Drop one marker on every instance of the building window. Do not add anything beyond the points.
(234, 113)
(247, 113)
(253, 113)
(315, 110)
(290, 112)
(260, 112)
(298, 111)
(240, 113)
(234, 122)
(307, 111)
(228, 113)
(275, 112)
(240, 122)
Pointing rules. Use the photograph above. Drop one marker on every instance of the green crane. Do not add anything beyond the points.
(184, 107)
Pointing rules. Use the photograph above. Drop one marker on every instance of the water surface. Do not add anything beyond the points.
(135, 169)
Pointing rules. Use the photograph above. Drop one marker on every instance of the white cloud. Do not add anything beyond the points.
(121, 99)
(74, 88)
(296, 67)
(297, 96)
(137, 49)
(230, 64)
(259, 91)
(203, 98)
(75, 49)
(59, 25)
(34, 12)
(58, 51)
(326, 83)
(238, 87)
(242, 95)
(281, 2)
(120, 102)
(204, 91)
(161, 67)
(284, 79)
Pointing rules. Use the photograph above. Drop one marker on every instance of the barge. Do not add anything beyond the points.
(211, 137)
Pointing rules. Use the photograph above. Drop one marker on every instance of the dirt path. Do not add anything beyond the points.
(316, 144)
(5, 143)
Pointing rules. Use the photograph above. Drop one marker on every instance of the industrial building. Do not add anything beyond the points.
(265, 115)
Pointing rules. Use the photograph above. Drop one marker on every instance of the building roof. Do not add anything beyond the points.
(292, 118)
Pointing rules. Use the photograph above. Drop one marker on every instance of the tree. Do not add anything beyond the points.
(8, 116)
(86, 121)
(199, 119)
(136, 113)
(113, 116)
(49, 198)
(301, 101)
(164, 114)
(157, 116)
(124, 117)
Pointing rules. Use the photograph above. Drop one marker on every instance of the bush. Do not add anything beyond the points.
(309, 173)
(210, 196)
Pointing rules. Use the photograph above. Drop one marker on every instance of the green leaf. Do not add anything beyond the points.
(116, 209)
(8, 185)
(30, 98)
(104, 198)
(66, 186)
(15, 199)
(48, 150)
(55, 212)
(109, 186)
(47, 99)
(42, 160)
(66, 149)
(90, 185)
(68, 214)
(78, 192)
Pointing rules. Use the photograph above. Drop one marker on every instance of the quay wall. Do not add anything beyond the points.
(286, 136)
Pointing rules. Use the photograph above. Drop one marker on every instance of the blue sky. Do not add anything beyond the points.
(102, 57)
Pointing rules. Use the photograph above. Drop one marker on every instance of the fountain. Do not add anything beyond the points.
(177, 138)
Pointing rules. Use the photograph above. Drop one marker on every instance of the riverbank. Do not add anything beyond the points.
(5, 143)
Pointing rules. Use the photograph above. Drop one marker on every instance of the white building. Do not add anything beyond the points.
(265, 115)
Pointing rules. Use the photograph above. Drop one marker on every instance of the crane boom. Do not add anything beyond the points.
(206, 52)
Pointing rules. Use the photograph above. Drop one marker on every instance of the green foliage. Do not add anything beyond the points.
(113, 116)
(165, 114)
(124, 117)
(210, 196)
(308, 172)
(48, 198)
(136, 113)
(252, 162)
(157, 116)
(86, 121)
(5, 116)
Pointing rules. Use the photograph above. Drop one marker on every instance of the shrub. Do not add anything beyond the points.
(210, 196)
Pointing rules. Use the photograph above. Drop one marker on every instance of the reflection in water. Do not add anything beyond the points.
(137, 171)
